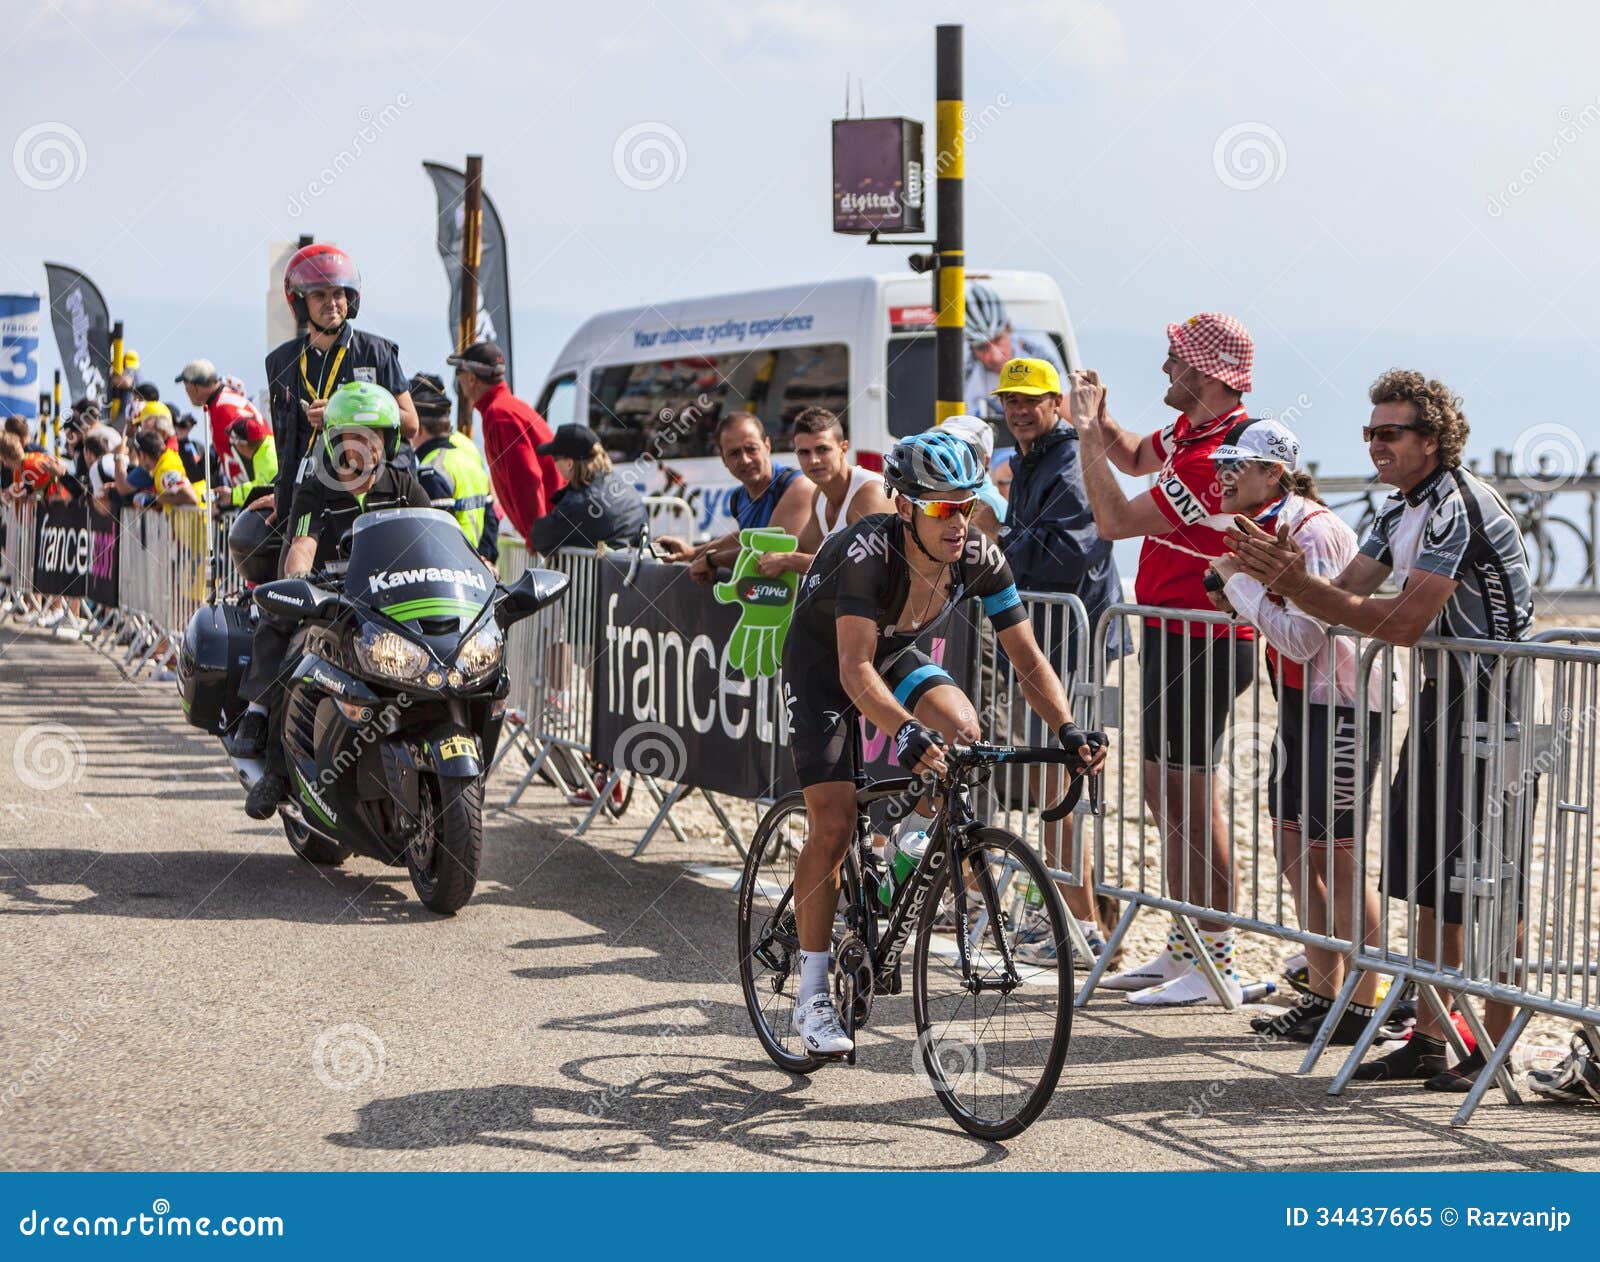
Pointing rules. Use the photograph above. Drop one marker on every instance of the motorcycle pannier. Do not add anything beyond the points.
(211, 665)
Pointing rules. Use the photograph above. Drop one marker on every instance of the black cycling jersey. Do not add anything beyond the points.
(327, 512)
(862, 570)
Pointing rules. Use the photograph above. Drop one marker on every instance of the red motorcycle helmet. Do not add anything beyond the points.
(320, 267)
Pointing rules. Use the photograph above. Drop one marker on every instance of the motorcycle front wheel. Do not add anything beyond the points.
(443, 857)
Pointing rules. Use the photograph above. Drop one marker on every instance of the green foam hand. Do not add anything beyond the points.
(765, 604)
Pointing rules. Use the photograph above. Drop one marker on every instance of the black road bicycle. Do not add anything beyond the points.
(992, 1031)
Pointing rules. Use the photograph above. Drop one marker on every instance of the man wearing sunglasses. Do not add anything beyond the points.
(872, 590)
(1454, 549)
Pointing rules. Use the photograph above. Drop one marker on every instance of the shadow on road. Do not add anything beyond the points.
(665, 1110)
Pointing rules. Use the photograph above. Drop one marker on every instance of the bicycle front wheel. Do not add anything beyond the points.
(993, 1056)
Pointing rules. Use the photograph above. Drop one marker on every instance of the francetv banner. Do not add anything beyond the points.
(19, 355)
(76, 554)
(669, 704)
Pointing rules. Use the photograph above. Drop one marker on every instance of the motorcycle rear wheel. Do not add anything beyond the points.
(443, 859)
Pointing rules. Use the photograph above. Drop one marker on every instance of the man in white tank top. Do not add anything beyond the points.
(846, 492)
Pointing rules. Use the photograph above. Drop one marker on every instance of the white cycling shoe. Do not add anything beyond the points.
(817, 1024)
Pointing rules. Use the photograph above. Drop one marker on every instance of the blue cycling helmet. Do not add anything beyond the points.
(935, 463)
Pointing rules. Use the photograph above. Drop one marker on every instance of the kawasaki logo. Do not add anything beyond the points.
(384, 580)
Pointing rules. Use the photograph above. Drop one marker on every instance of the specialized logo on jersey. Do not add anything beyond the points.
(870, 544)
(1189, 507)
(385, 580)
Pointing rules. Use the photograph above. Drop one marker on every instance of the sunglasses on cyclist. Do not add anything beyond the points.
(1233, 468)
(939, 510)
(1389, 433)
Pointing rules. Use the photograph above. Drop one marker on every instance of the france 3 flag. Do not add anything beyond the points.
(19, 355)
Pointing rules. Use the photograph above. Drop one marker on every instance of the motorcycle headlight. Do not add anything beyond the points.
(482, 653)
(385, 653)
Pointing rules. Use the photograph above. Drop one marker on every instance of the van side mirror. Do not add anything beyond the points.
(294, 600)
(532, 592)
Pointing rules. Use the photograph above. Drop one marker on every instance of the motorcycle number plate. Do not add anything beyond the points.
(457, 747)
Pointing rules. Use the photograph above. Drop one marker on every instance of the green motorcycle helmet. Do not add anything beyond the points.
(360, 405)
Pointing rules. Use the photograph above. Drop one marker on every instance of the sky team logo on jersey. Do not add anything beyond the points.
(982, 551)
(865, 546)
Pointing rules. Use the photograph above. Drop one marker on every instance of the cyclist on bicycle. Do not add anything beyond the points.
(871, 591)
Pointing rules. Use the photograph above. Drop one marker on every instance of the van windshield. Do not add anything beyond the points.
(671, 407)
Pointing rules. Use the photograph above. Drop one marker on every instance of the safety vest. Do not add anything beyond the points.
(468, 476)
(263, 470)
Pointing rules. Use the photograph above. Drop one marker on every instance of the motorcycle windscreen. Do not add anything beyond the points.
(416, 566)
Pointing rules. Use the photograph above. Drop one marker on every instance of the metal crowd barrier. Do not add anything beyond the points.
(21, 537)
(669, 515)
(1516, 762)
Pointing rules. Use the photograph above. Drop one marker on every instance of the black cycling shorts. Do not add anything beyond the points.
(823, 723)
(1185, 705)
(1440, 818)
(1297, 793)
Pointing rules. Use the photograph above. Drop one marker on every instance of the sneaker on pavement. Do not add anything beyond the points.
(1574, 1080)
(1164, 968)
(51, 619)
(1190, 990)
(1041, 953)
(817, 1024)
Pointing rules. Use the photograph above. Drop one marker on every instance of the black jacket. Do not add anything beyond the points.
(1049, 535)
(608, 510)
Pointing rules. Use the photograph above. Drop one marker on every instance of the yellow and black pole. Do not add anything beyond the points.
(114, 399)
(949, 276)
(55, 410)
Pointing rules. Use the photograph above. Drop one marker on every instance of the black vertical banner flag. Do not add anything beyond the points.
(494, 277)
(83, 331)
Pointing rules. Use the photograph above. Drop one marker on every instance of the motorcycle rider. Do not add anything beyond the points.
(352, 472)
(323, 288)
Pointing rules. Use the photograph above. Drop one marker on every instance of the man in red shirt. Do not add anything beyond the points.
(223, 407)
(525, 483)
(1190, 672)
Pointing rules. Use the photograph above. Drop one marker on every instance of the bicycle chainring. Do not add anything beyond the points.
(852, 973)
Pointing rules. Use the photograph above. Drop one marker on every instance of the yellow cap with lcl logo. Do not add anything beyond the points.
(1028, 376)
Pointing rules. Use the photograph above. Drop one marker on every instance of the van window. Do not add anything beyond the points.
(910, 382)
(672, 406)
(559, 402)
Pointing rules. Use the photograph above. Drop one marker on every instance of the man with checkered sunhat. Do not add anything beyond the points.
(1190, 672)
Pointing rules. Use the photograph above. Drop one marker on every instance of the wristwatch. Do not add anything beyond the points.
(1213, 582)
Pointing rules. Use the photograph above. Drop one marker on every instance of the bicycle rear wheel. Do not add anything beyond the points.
(993, 1057)
(769, 943)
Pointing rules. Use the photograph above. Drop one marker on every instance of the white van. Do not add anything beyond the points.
(655, 380)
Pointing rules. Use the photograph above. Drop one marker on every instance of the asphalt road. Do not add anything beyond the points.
(185, 993)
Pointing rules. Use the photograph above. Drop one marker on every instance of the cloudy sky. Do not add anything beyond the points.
(1363, 184)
